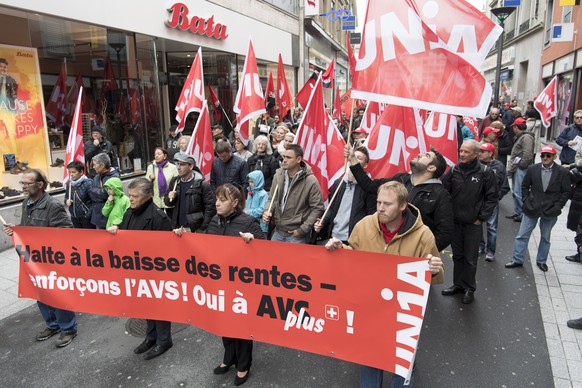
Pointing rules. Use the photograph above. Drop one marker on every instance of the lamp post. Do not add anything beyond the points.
(502, 13)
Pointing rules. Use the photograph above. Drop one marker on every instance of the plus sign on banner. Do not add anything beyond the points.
(331, 312)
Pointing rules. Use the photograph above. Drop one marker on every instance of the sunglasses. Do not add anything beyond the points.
(577, 117)
(546, 155)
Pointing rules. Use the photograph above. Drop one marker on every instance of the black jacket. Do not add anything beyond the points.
(474, 191)
(504, 146)
(234, 171)
(91, 150)
(431, 198)
(200, 202)
(99, 196)
(500, 177)
(234, 224)
(146, 217)
(267, 164)
(363, 204)
(549, 203)
(45, 212)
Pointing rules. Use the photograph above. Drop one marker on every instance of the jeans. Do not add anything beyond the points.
(517, 180)
(491, 244)
(372, 378)
(527, 226)
(277, 237)
(57, 318)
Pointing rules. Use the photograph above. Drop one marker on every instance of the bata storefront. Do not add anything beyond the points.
(132, 62)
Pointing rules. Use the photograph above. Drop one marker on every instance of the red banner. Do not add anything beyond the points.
(473, 126)
(55, 109)
(547, 102)
(200, 146)
(361, 307)
(329, 75)
(373, 112)
(440, 130)
(420, 65)
(346, 103)
(192, 96)
(215, 104)
(322, 142)
(305, 92)
(249, 100)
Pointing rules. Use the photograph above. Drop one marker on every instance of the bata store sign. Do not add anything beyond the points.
(180, 19)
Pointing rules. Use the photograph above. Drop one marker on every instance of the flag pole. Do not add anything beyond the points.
(230, 122)
(273, 199)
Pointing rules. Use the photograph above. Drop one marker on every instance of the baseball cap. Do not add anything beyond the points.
(488, 130)
(487, 147)
(360, 130)
(507, 105)
(184, 158)
(518, 121)
(516, 108)
(548, 149)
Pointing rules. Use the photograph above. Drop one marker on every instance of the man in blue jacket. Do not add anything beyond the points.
(566, 139)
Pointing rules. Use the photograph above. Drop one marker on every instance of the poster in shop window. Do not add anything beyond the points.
(23, 134)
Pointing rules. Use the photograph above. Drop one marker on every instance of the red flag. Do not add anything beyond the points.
(322, 142)
(284, 99)
(440, 130)
(201, 146)
(215, 104)
(134, 107)
(399, 135)
(473, 126)
(337, 106)
(421, 70)
(56, 107)
(373, 112)
(71, 100)
(249, 100)
(109, 82)
(305, 92)
(346, 103)
(270, 99)
(329, 75)
(351, 57)
(192, 95)
(547, 102)
(75, 151)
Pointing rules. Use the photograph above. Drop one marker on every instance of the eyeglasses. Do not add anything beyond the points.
(546, 155)
(577, 117)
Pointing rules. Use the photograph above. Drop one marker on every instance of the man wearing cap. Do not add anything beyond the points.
(486, 157)
(545, 188)
(566, 139)
(191, 196)
(359, 136)
(173, 142)
(522, 156)
(99, 145)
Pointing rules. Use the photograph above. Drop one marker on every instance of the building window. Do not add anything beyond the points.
(567, 14)
(549, 21)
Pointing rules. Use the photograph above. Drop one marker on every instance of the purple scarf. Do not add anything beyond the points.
(162, 184)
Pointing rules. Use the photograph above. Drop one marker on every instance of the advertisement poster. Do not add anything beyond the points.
(23, 134)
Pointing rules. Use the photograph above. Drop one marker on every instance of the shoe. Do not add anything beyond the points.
(512, 216)
(144, 347)
(543, 267)
(241, 380)
(513, 264)
(220, 370)
(65, 339)
(489, 257)
(517, 219)
(468, 297)
(574, 258)
(575, 323)
(47, 333)
(58, 163)
(157, 350)
(452, 290)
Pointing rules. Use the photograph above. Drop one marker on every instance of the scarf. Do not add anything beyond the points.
(162, 184)
(81, 179)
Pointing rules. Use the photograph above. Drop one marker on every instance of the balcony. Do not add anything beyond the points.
(510, 35)
(524, 26)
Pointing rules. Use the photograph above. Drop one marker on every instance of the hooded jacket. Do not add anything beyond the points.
(414, 239)
(304, 204)
(99, 196)
(257, 198)
(115, 209)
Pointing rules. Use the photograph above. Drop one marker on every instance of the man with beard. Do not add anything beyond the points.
(473, 189)
(425, 190)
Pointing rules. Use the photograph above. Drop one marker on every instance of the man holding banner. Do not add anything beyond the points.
(397, 229)
(40, 209)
